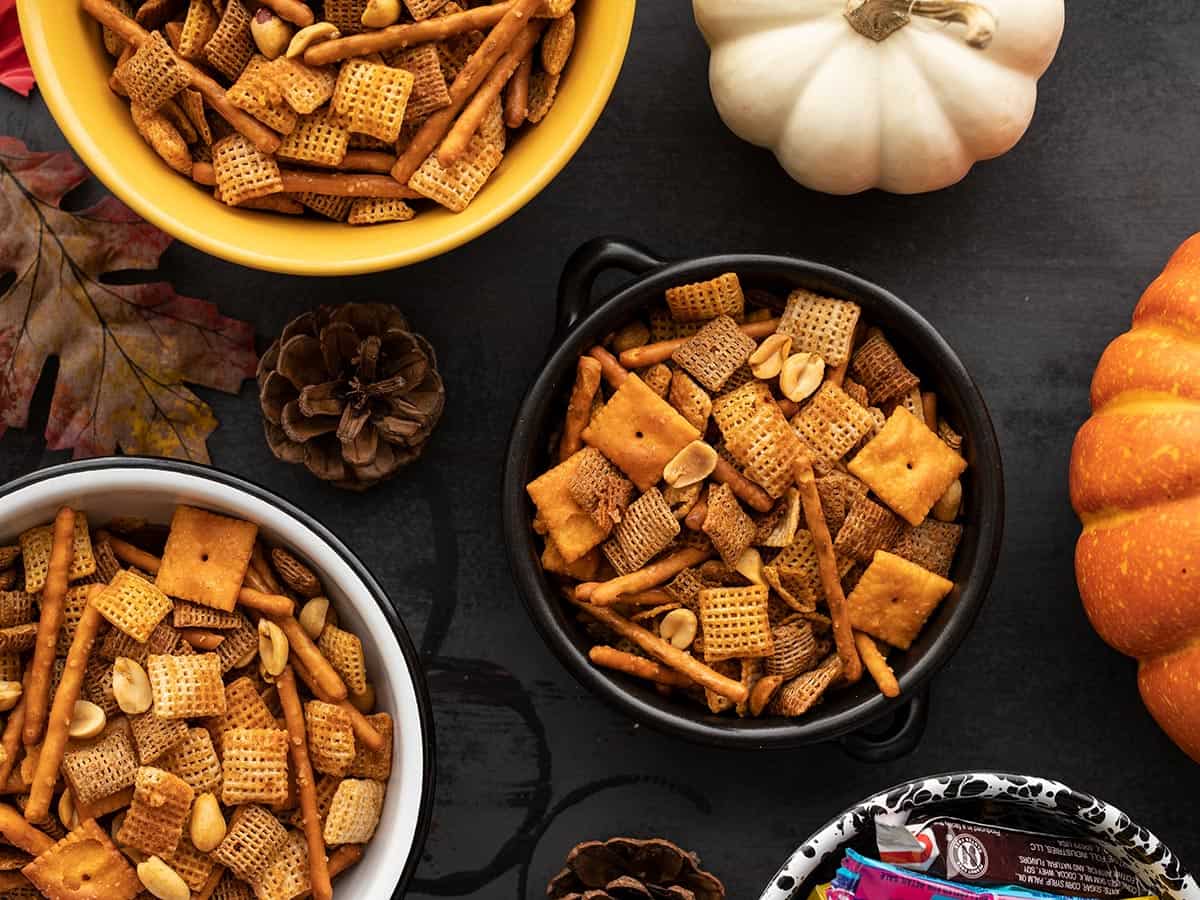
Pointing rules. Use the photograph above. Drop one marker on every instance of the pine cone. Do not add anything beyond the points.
(351, 393)
(632, 869)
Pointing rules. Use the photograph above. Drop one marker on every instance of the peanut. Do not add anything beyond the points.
(679, 627)
(802, 374)
(313, 34)
(767, 361)
(313, 616)
(207, 828)
(272, 647)
(131, 686)
(87, 720)
(162, 881)
(271, 34)
(691, 465)
(381, 13)
(10, 693)
(947, 507)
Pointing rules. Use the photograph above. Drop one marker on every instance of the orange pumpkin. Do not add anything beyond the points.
(1135, 484)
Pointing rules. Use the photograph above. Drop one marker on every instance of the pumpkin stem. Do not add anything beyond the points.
(880, 19)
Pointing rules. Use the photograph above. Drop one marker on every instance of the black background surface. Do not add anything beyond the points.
(1029, 268)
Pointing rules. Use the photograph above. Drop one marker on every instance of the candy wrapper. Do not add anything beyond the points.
(970, 852)
(860, 878)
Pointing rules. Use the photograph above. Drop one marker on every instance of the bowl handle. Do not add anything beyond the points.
(900, 738)
(585, 266)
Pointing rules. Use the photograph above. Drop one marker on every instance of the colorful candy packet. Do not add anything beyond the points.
(860, 878)
(970, 852)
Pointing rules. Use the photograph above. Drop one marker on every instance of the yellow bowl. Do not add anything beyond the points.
(72, 71)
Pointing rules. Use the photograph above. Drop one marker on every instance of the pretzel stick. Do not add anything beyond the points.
(20, 833)
(694, 520)
(652, 354)
(929, 406)
(41, 667)
(11, 740)
(516, 95)
(579, 409)
(41, 793)
(131, 555)
(292, 11)
(293, 715)
(210, 884)
(307, 652)
(459, 138)
(253, 580)
(877, 665)
(336, 184)
(367, 161)
(843, 634)
(133, 34)
(745, 489)
(650, 576)
(201, 639)
(652, 597)
(263, 569)
(364, 731)
(495, 45)
(664, 652)
(273, 605)
(614, 373)
(399, 37)
(637, 666)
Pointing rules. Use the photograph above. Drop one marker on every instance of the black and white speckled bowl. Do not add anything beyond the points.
(1031, 801)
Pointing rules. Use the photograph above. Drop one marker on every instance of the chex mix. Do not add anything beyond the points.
(185, 717)
(360, 111)
(752, 500)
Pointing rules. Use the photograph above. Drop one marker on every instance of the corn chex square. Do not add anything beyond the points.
(252, 841)
(894, 598)
(195, 760)
(155, 819)
(186, 687)
(455, 186)
(830, 425)
(304, 88)
(758, 436)
(288, 874)
(330, 737)
(231, 46)
(639, 432)
(820, 325)
(734, 622)
(355, 812)
(704, 300)
(133, 605)
(99, 768)
(207, 554)
(907, 466)
(36, 544)
(344, 650)
(254, 766)
(317, 140)
(805, 691)
(371, 98)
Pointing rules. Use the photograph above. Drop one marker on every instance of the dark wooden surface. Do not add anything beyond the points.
(1029, 268)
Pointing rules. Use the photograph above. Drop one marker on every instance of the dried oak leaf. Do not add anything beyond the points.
(124, 351)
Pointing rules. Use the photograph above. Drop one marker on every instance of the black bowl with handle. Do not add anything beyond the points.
(869, 726)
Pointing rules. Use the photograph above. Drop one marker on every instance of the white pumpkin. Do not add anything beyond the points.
(904, 95)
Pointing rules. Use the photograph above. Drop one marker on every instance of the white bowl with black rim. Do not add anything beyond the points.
(1025, 801)
(106, 488)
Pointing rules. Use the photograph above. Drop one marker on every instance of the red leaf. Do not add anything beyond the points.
(15, 72)
(124, 351)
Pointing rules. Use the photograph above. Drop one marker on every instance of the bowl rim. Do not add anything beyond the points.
(545, 607)
(808, 854)
(53, 90)
(374, 589)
